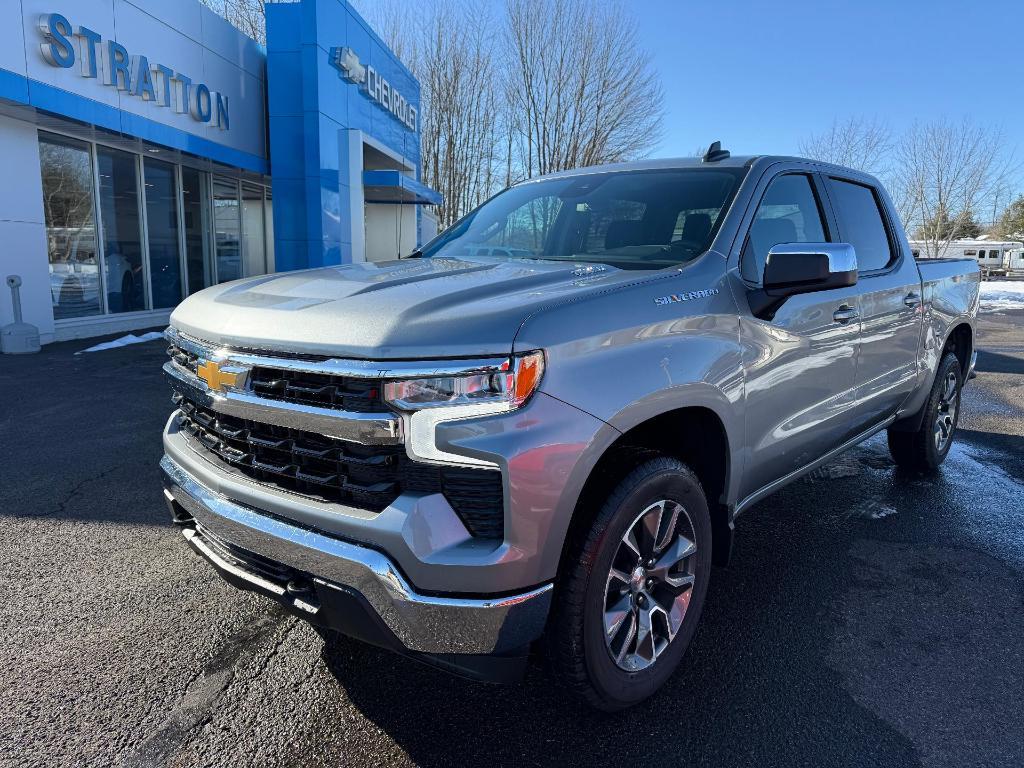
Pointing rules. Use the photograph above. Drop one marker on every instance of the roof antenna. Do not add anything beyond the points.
(715, 153)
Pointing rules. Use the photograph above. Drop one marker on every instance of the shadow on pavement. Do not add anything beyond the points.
(997, 362)
(755, 687)
(80, 434)
(856, 601)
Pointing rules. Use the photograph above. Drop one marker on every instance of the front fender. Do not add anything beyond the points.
(630, 355)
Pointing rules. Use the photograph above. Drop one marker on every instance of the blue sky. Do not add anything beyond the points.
(761, 75)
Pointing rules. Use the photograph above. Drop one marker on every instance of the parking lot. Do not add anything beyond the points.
(869, 617)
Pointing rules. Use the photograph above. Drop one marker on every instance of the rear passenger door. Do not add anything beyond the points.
(800, 367)
(890, 299)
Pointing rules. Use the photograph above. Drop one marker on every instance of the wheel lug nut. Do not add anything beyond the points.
(650, 563)
(650, 583)
(640, 600)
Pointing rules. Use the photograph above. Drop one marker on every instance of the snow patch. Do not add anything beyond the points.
(124, 341)
(997, 295)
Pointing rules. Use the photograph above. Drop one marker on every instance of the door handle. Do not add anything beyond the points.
(845, 314)
(912, 299)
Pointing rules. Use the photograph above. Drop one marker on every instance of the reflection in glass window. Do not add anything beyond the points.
(70, 227)
(227, 229)
(788, 213)
(162, 232)
(252, 230)
(122, 239)
(196, 210)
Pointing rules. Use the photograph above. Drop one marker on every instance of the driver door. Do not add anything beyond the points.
(800, 365)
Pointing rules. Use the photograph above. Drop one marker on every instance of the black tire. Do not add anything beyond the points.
(923, 450)
(577, 650)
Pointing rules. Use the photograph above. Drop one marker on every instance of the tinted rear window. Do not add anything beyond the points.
(860, 223)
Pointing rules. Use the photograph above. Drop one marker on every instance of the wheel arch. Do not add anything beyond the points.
(960, 341)
(704, 447)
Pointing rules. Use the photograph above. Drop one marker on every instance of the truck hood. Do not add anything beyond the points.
(413, 308)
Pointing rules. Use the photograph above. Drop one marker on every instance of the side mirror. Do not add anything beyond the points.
(795, 268)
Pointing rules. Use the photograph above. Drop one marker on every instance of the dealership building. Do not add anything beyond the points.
(149, 149)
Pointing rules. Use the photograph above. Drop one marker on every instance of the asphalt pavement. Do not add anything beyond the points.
(869, 617)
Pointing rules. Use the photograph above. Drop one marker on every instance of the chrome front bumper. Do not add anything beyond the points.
(421, 623)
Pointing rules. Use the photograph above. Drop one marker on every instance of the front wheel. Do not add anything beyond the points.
(630, 596)
(925, 449)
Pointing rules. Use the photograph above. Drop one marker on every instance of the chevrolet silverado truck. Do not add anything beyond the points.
(536, 432)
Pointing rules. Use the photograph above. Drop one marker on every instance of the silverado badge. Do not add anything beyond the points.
(689, 296)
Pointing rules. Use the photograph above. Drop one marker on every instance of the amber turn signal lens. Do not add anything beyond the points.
(529, 370)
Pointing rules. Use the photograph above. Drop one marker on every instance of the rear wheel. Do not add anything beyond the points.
(925, 449)
(631, 594)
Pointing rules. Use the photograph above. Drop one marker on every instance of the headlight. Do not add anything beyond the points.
(504, 390)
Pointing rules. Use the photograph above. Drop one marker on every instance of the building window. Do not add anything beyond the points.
(162, 233)
(127, 232)
(120, 224)
(227, 229)
(195, 197)
(254, 250)
(70, 227)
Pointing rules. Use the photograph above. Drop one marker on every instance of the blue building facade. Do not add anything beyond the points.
(344, 119)
(151, 150)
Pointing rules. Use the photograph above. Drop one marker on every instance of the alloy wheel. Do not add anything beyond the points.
(945, 417)
(649, 585)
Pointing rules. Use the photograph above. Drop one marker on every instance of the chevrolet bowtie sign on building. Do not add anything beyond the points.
(376, 87)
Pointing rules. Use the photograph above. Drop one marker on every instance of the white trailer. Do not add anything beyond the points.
(996, 258)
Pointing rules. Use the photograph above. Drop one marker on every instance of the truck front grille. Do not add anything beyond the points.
(319, 389)
(366, 477)
(347, 393)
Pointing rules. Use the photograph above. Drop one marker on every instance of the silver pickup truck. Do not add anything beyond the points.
(537, 432)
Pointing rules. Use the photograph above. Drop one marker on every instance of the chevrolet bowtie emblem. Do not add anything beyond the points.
(217, 378)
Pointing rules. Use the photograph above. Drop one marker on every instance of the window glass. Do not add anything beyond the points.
(122, 240)
(253, 251)
(860, 223)
(788, 213)
(227, 229)
(70, 227)
(648, 219)
(162, 232)
(196, 212)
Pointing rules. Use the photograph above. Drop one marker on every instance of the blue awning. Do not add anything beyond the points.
(394, 187)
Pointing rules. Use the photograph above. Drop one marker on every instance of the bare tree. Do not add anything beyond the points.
(947, 171)
(856, 142)
(452, 52)
(581, 89)
(575, 87)
(250, 16)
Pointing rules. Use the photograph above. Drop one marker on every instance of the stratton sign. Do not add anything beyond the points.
(375, 86)
(109, 62)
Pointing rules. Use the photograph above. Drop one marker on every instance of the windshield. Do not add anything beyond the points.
(628, 219)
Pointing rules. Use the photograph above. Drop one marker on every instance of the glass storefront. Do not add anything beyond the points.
(70, 228)
(253, 229)
(227, 228)
(162, 233)
(121, 226)
(128, 233)
(195, 198)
